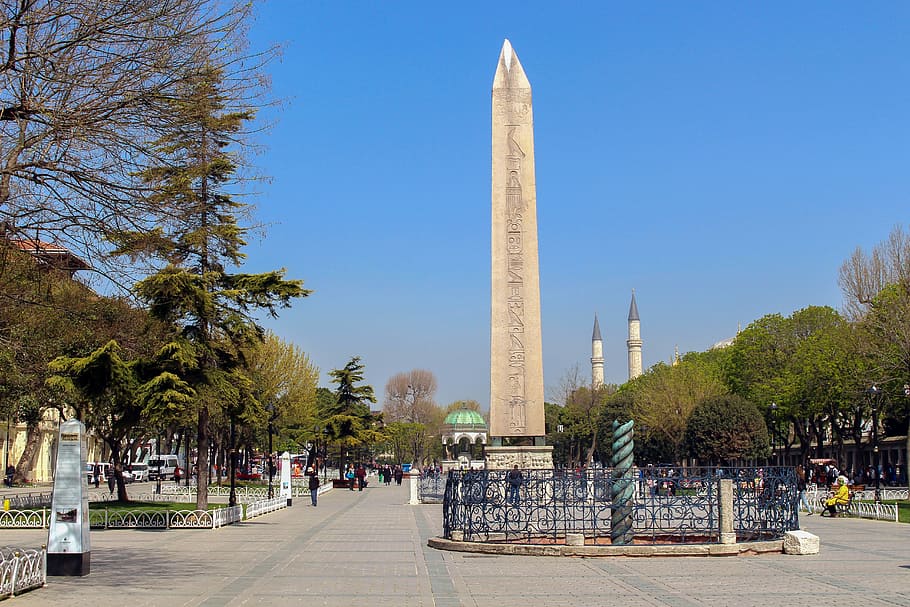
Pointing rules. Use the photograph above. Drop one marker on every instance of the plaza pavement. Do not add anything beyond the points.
(369, 548)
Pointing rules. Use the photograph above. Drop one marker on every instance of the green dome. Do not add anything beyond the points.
(465, 417)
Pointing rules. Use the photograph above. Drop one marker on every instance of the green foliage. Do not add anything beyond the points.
(726, 428)
(661, 401)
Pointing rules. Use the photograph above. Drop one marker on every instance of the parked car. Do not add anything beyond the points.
(139, 472)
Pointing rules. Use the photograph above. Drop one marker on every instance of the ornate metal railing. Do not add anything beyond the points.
(21, 570)
(260, 507)
(864, 509)
(670, 505)
(244, 494)
(431, 488)
(887, 495)
(29, 500)
(24, 519)
(164, 519)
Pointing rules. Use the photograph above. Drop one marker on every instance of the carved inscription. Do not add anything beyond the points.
(515, 208)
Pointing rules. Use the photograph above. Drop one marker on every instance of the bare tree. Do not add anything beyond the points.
(864, 275)
(409, 398)
(86, 85)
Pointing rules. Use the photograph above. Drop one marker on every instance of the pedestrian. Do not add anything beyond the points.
(10, 473)
(111, 481)
(313, 485)
(349, 475)
(801, 487)
(399, 474)
(96, 474)
(177, 474)
(514, 478)
(361, 475)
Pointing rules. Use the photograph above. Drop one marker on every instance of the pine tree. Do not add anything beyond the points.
(209, 306)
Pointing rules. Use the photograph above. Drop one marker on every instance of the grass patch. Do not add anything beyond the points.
(149, 506)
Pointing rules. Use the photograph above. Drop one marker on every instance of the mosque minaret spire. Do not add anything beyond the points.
(634, 341)
(597, 357)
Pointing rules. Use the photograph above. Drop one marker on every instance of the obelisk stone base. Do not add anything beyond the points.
(69, 563)
(526, 457)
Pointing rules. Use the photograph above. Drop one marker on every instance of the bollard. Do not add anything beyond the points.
(415, 490)
(725, 511)
(6, 505)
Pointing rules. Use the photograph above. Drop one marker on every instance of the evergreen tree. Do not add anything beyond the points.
(349, 421)
(209, 306)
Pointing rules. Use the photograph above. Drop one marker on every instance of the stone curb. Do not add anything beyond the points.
(748, 548)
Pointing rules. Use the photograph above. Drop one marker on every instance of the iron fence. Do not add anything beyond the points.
(21, 569)
(671, 505)
(431, 488)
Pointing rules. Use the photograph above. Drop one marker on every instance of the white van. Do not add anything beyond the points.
(166, 463)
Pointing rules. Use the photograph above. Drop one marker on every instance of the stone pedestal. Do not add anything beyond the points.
(527, 457)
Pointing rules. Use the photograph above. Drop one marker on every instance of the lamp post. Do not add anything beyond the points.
(773, 432)
(232, 498)
(325, 453)
(875, 397)
(186, 459)
(271, 409)
(158, 476)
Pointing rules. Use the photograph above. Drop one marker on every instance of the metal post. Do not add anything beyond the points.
(232, 499)
(158, 477)
(186, 459)
(875, 393)
(269, 460)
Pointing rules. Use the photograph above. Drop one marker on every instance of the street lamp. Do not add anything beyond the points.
(875, 394)
(325, 453)
(271, 409)
(158, 477)
(773, 432)
(232, 498)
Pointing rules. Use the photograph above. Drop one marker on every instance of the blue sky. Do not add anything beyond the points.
(722, 159)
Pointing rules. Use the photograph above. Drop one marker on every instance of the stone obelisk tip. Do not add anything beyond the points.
(509, 73)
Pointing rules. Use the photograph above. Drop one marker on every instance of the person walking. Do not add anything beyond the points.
(361, 475)
(801, 487)
(399, 474)
(96, 474)
(111, 481)
(313, 485)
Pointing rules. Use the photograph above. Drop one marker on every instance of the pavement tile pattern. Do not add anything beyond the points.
(369, 548)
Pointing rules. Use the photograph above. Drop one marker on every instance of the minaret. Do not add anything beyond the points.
(634, 341)
(597, 357)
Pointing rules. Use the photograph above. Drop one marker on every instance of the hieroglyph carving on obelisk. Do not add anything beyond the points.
(516, 357)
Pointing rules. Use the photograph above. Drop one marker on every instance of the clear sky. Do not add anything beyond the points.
(720, 158)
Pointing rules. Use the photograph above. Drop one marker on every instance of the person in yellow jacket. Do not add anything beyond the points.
(840, 496)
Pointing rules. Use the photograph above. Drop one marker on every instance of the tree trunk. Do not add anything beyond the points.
(27, 459)
(202, 464)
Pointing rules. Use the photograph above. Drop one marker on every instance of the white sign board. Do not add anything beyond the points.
(285, 467)
(69, 544)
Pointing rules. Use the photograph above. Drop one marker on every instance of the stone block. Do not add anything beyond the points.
(575, 539)
(801, 542)
(457, 535)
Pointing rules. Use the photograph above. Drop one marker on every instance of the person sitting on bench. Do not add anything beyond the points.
(839, 497)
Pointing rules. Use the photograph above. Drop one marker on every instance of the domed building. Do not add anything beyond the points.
(464, 434)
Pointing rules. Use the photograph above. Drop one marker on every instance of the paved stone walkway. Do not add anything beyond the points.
(369, 548)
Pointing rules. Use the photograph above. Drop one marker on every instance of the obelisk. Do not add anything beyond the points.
(516, 355)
